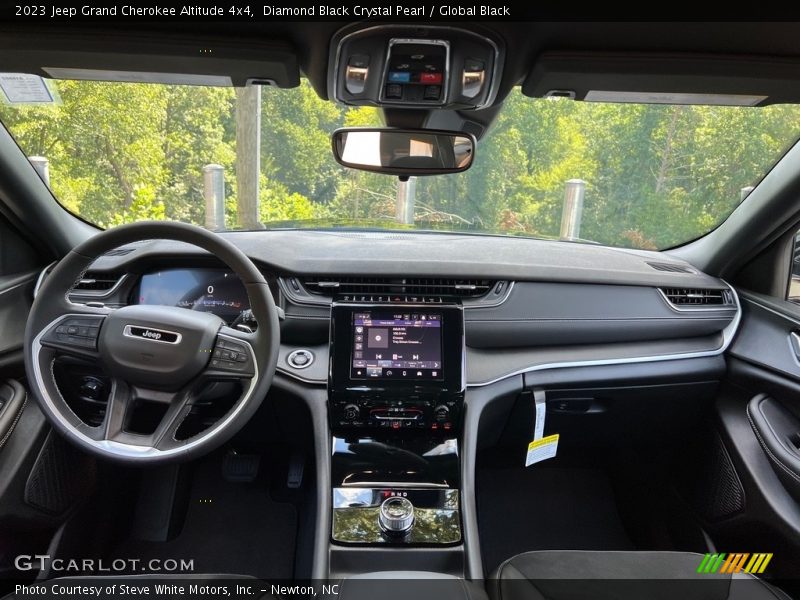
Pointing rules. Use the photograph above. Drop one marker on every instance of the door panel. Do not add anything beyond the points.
(16, 296)
(767, 334)
(757, 413)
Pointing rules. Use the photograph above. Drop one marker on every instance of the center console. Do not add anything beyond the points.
(396, 392)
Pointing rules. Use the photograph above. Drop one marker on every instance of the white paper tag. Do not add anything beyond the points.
(541, 410)
(542, 449)
(22, 88)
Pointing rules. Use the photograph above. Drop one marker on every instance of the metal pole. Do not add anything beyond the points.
(745, 192)
(573, 209)
(406, 197)
(42, 166)
(214, 194)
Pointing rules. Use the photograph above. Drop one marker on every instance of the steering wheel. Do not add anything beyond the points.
(161, 354)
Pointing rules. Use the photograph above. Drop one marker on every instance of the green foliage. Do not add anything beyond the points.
(655, 175)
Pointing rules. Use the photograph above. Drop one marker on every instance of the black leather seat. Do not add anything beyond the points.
(578, 575)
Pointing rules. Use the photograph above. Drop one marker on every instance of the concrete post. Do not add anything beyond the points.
(214, 194)
(573, 209)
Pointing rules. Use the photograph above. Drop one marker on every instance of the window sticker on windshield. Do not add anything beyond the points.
(22, 88)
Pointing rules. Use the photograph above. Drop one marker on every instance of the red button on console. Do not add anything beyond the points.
(430, 78)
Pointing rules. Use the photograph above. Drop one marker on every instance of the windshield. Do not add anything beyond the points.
(632, 175)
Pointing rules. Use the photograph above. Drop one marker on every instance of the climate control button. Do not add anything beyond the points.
(351, 412)
(441, 413)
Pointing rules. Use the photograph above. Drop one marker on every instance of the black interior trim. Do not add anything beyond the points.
(778, 432)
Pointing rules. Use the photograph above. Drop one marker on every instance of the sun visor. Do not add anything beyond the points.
(665, 79)
(140, 59)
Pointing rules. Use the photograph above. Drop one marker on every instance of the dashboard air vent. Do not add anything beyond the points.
(408, 286)
(698, 297)
(670, 267)
(97, 283)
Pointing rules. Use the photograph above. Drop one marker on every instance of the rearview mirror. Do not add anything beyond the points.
(404, 152)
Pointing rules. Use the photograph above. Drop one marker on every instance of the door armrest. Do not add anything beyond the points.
(778, 433)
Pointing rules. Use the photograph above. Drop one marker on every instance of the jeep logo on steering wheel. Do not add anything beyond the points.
(153, 335)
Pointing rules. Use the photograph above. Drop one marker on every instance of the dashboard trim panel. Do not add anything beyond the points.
(728, 335)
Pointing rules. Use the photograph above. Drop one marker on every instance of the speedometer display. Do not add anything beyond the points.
(217, 291)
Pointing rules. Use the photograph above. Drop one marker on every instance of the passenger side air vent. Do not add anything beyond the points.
(670, 267)
(689, 297)
(385, 286)
(96, 283)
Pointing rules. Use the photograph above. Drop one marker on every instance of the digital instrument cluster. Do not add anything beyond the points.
(217, 291)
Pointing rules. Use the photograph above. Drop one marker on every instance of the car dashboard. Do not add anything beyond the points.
(411, 350)
(528, 305)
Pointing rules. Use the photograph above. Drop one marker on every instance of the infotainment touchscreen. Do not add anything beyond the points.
(396, 344)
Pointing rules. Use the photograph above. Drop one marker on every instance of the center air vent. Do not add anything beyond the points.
(408, 286)
(689, 297)
(97, 283)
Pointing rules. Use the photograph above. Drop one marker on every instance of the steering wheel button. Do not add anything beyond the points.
(72, 329)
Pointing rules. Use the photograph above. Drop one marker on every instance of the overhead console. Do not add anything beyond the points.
(414, 67)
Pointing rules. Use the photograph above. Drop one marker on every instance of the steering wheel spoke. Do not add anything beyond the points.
(119, 402)
(231, 359)
(115, 433)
